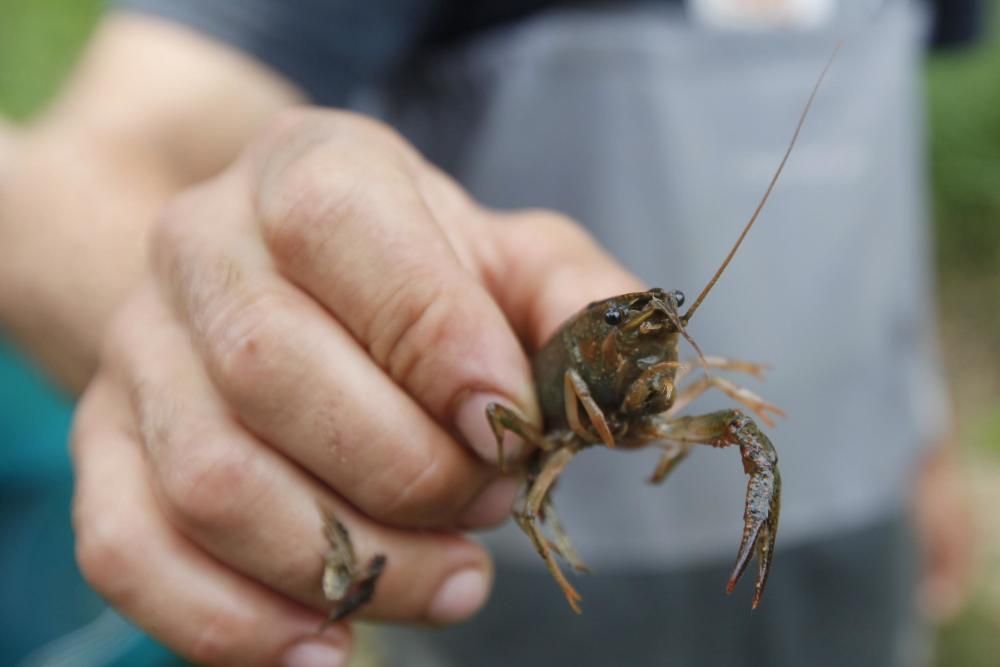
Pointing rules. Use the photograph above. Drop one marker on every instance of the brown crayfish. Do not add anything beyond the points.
(617, 359)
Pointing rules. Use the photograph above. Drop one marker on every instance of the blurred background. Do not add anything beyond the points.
(39, 40)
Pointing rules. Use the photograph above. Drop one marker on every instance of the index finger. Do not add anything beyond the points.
(347, 220)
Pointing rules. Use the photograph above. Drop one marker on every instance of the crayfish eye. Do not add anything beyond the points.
(613, 316)
(678, 297)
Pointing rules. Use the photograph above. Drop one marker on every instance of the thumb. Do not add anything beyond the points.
(542, 268)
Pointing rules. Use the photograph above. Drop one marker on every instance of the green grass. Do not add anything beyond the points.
(986, 433)
(964, 115)
(38, 41)
(969, 641)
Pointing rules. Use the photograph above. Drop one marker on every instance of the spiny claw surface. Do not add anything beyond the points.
(763, 503)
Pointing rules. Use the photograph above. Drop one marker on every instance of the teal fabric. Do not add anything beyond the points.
(34, 422)
(47, 611)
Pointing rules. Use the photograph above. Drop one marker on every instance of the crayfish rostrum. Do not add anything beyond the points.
(618, 360)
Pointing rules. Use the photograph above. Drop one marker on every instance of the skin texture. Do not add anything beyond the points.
(220, 284)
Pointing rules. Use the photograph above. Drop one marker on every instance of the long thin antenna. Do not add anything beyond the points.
(767, 193)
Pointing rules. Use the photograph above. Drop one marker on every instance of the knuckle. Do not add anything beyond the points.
(85, 427)
(171, 233)
(339, 166)
(103, 544)
(209, 486)
(564, 230)
(321, 191)
(413, 324)
(305, 124)
(309, 195)
(289, 121)
(118, 334)
(550, 218)
(424, 493)
(241, 340)
(118, 343)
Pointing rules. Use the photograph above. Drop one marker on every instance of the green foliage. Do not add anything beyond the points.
(985, 435)
(964, 115)
(969, 640)
(38, 41)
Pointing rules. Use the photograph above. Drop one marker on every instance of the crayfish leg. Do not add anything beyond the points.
(575, 390)
(561, 542)
(528, 514)
(673, 453)
(740, 394)
(723, 364)
(503, 419)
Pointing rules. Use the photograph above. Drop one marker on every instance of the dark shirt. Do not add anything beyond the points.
(331, 47)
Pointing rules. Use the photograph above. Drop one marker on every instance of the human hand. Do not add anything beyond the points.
(322, 328)
(946, 531)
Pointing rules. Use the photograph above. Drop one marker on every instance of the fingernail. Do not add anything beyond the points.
(472, 423)
(461, 596)
(492, 505)
(314, 653)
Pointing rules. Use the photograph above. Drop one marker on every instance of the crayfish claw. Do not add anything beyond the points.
(344, 583)
(765, 551)
(360, 593)
(743, 557)
(763, 504)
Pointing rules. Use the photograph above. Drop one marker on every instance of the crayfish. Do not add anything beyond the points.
(618, 360)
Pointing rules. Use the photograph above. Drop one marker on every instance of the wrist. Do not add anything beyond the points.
(74, 216)
(9, 153)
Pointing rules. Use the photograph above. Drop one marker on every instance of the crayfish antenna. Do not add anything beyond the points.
(767, 193)
(679, 323)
